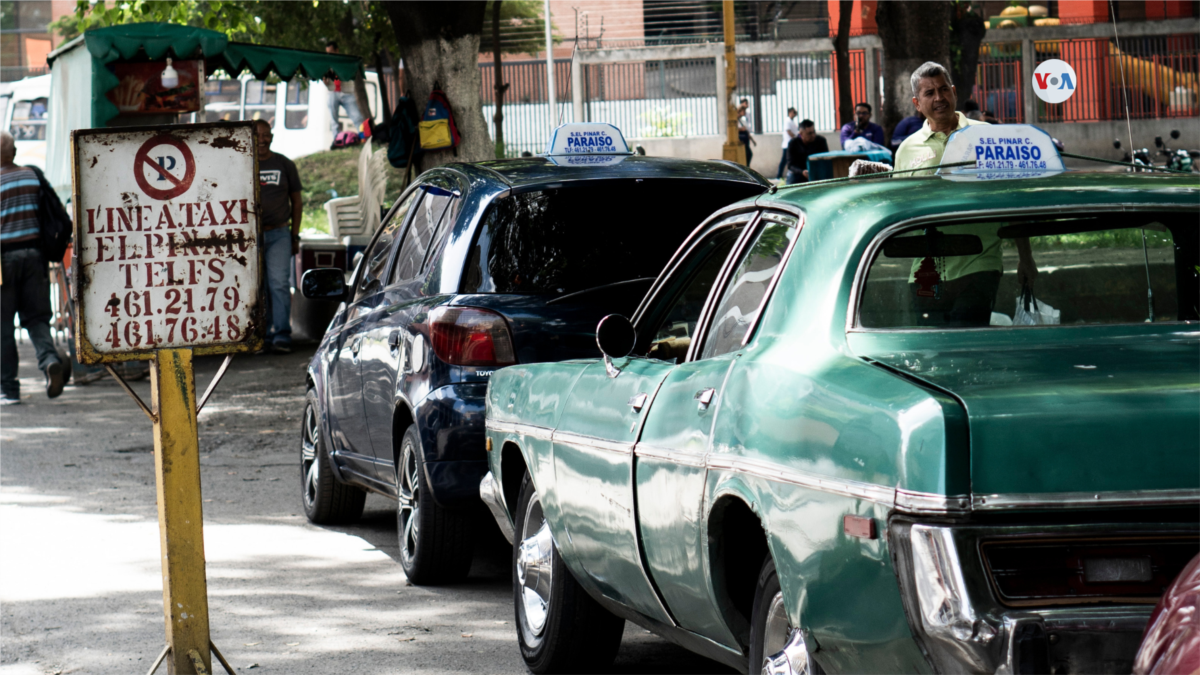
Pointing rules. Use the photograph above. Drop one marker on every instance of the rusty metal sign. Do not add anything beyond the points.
(166, 240)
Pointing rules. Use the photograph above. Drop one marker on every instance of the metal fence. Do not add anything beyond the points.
(999, 87)
(653, 99)
(1158, 76)
(679, 98)
(14, 73)
(527, 118)
(778, 82)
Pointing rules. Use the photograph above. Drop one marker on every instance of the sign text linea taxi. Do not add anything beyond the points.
(167, 240)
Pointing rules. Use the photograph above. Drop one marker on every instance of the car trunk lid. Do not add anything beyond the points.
(1063, 410)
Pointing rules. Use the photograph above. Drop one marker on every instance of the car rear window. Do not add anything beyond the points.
(1107, 268)
(570, 239)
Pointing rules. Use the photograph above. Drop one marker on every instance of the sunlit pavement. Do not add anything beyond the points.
(80, 576)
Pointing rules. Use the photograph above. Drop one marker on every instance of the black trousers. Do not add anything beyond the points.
(26, 290)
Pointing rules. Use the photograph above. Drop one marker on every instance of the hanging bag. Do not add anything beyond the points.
(1030, 312)
(438, 130)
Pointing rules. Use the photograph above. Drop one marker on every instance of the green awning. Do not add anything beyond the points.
(261, 60)
(157, 41)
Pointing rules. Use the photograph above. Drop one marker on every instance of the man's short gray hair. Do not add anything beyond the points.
(929, 69)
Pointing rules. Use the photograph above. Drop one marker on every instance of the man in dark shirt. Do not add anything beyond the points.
(24, 277)
(799, 149)
(907, 127)
(282, 208)
(862, 126)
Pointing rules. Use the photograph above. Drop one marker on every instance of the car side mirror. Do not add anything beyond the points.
(324, 283)
(616, 338)
(1175, 134)
(1158, 141)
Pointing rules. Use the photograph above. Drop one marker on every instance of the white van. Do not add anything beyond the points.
(24, 110)
(298, 110)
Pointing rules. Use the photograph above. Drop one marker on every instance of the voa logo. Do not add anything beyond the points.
(1054, 81)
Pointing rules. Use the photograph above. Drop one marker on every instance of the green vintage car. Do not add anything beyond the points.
(906, 424)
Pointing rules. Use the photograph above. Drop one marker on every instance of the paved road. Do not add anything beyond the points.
(80, 579)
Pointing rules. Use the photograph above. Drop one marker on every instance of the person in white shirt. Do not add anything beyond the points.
(791, 129)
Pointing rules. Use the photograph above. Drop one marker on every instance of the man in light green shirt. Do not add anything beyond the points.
(952, 290)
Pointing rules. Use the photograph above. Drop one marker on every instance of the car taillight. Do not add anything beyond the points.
(465, 336)
(1074, 571)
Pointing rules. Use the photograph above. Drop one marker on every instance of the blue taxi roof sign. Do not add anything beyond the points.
(1000, 151)
(586, 138)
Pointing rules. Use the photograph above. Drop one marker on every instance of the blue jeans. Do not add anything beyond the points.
(277, 255)
(26, 290)
(782, 164)
(346, 100)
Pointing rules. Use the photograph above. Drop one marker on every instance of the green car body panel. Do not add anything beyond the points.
(814, 419)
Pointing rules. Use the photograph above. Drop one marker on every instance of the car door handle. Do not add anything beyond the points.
(394, 340)
(638, 402)
(356, 345)
(704, 397)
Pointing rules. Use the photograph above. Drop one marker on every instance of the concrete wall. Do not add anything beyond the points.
(1092, 138)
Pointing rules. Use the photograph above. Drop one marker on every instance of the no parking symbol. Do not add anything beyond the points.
(159, 160)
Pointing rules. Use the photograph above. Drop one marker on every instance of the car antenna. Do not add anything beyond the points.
(1121, 60)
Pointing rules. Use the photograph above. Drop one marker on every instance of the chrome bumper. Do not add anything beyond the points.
(964, 630)
(489, 492)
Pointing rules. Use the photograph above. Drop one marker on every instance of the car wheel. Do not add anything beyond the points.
(326, 501)
(559, 626)
(770, 629)
(435, 543)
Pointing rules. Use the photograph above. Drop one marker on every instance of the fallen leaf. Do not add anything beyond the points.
(251, 644)
(252, 665)
(500, 622)
(407, 639)
(292, 644)
(468, 635)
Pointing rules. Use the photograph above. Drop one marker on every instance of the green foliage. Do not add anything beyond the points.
(1123, 238)
(324, 173)
(522, 30)
(235, 19)
(662, 124)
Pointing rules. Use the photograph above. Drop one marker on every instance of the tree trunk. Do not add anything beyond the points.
(498, 77)
(439, 43)
(841, 49)
(912, 33)
(360, 95)
(968, 31)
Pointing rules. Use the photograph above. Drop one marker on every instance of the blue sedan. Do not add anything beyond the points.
(476, 267)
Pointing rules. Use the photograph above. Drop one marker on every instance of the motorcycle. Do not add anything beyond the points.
(1140, 158)
(1178, 160)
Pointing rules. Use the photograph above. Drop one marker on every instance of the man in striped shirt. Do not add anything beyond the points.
(24, 276)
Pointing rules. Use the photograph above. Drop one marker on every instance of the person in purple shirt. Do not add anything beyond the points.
(862, 126)
(907, 127)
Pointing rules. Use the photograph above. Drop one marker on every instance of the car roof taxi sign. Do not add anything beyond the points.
(1000, 151)
(587, 143)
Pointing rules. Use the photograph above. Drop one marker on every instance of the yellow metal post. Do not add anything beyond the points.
(180, 512)
(732, 150)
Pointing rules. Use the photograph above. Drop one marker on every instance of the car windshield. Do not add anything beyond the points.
(1091, 269)
(576, 238)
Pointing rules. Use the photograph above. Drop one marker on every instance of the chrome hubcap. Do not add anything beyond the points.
(535, 567)
(408, 506)
(784, 649)
(309, 465)
(777, 630)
